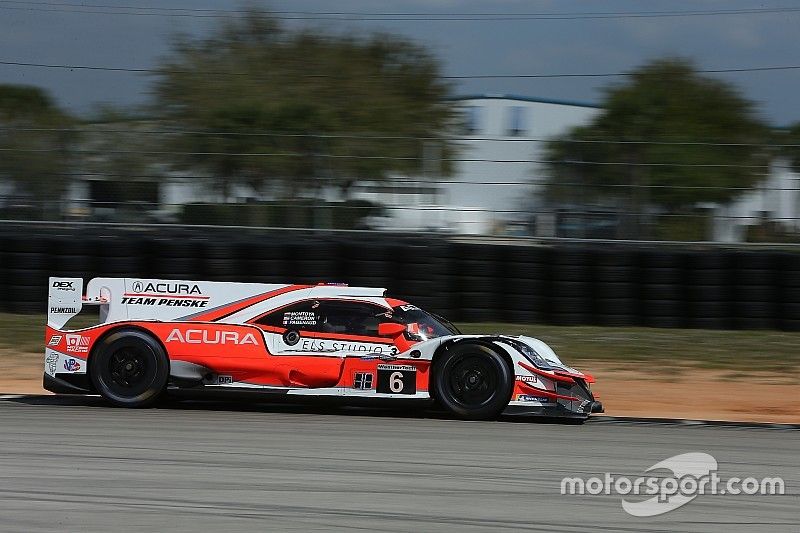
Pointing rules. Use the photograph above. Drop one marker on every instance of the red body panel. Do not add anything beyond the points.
(239, 351)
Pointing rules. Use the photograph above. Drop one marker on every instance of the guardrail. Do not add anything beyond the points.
(612, 284)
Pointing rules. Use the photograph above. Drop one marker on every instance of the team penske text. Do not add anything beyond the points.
(170, 302)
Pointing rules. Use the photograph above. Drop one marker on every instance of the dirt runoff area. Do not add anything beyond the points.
(633, 390)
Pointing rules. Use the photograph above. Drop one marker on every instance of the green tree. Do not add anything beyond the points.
(324, 99)
(35, 152)
(667, 137)
(120, 149)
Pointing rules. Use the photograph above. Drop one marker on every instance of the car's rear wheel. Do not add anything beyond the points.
(130, 369)
(472, 381)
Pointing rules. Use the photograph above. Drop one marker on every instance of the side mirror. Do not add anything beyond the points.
(390, 329)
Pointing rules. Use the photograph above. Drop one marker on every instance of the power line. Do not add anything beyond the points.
(381, 137)
(145, 70)
(389, 184)
(108, 9)
(384, 158)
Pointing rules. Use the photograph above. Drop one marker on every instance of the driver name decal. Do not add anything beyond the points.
(299, 318)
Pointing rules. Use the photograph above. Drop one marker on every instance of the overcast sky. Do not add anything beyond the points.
(464, 47)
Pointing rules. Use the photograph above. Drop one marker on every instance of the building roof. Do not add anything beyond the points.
(525, 99)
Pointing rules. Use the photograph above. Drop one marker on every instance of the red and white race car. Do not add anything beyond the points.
(328, 340)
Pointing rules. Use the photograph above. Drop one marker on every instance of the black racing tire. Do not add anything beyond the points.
(130, 369)
(472, 381)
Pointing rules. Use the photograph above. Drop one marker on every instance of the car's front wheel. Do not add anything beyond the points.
(472, 381)
(130, 369)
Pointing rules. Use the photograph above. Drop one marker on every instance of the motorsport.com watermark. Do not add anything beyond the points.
(693, 474)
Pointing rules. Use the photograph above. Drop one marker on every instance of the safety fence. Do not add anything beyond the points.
(609, 284)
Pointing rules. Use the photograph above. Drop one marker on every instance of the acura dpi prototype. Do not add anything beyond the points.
(158, 337)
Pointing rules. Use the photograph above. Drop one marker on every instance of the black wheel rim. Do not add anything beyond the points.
(472, 380)
(128, 368)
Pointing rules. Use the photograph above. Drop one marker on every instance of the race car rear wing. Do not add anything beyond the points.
(65, 299)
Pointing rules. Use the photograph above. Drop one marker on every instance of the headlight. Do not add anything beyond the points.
(531, 355)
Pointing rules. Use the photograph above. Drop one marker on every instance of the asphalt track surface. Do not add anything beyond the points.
(79, 465)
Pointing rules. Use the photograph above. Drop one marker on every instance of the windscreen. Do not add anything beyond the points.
(421, 325)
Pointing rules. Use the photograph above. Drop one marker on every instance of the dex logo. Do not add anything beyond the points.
(64, 285)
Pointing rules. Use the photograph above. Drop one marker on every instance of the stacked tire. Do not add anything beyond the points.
(5, 302)
(789, 311)
(176, 258)
(220, 261)
(263, 262)
(478, 281)
(423, 277)
(313, 261)
(73, 257)
(615, 288)
(663, 289)
(708, 290)
(754, 290)
(570, 296)
(118, 257)
(524, 297)
(26, 271)
(368, 266)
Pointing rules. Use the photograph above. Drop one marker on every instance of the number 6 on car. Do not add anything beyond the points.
(397, 379)
(188, 338)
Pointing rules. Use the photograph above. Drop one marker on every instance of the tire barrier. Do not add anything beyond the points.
(616, 293)
(709, 290)
(663, 290)
(789, 291)
(610, 285)
(570, 294)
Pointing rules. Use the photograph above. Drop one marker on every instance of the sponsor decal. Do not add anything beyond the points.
(224, 380)
(64, 285)
(530, 398)
(533, 380)
(54, 340)
(60, 310)
(169, 302)
(165, 293)
(327, 345)
(174, 289)
(363, 380)
(77, 343)
(398, 367)
(71, 365)
(203, 336)
(299, 318)
(52, 363)
(397, 379)
(409, 307)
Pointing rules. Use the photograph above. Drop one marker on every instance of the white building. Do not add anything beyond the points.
(494, 171)
(775, 200)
